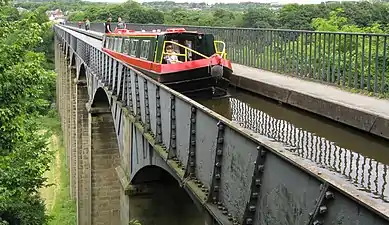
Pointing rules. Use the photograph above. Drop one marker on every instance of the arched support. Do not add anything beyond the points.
(83, 174)
(155, 197)
(82, 73)
(105, 185)
(72, 128)
(100, 99)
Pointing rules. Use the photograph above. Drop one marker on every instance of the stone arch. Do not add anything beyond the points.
(63, 47)
(82, 73)
(100, 99)
(68, 56)
(105, 158)
(151, 173)
(161, 199)
(73, 61)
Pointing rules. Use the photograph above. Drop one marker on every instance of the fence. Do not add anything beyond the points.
(353, 60)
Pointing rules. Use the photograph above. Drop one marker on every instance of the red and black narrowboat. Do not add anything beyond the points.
(186, 61)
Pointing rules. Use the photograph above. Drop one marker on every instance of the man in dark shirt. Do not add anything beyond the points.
(107, 25)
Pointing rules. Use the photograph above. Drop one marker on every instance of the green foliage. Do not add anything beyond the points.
(131, 12)
(64, 208)
(260, 18)
(25, 87)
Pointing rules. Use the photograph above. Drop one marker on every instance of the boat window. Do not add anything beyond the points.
(115, 44)
(133, 47)
(145, 49)
(176, 48)
(110, 46)
(119, 44)
(126, 45)
(189, 44)
(107, 40)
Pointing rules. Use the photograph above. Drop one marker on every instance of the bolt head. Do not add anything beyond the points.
(323, 209)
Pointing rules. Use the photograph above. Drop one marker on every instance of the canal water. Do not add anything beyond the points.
(356, 156)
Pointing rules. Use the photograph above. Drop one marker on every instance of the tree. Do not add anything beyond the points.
(24, 82)
(262, 17)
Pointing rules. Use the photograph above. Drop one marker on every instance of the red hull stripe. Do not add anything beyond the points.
(167, 68)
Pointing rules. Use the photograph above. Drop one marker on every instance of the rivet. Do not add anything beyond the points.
(317, 222)
(191, 153)
(252, 208)
(329, 195)
(260, 168)
(217, 176)
(220, 207)
(249, 221)
(220, 140)
(193, 142)
(322, 209)
(193, 132)
(219, 152)
(254, 195)
(310, 214)
(218, 164)
(216, 188)
(225, 212)
(257, 182)
(229, 216)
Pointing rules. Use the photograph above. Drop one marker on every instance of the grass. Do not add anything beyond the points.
(59, 206)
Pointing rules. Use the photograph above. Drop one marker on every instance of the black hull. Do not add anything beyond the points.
(197, 83)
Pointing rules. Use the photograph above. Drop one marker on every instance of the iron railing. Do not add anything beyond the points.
(353, 60)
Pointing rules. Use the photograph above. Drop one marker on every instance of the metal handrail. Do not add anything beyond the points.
(223, 53)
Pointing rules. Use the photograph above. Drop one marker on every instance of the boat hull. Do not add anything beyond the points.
(195, 83)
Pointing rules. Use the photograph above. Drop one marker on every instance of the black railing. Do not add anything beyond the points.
(353, 60)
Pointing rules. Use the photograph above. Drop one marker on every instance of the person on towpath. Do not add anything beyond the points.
(121, 24)
(87, 24)
(107, 25)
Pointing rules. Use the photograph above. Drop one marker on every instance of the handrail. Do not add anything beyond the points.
(223, 53)
(178, 54)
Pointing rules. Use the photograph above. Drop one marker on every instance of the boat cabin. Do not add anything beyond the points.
(151, 46)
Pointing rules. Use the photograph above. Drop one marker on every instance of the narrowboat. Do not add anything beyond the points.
(187, 61)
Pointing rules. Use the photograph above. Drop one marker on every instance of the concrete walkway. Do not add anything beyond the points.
(362, 112)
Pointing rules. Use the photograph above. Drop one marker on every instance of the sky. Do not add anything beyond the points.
(234, 1)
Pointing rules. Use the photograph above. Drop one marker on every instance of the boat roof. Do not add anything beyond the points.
(143, 33)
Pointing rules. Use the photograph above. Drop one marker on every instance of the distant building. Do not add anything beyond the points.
(56, 16)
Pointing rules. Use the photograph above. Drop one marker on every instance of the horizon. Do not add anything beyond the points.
(211, 2)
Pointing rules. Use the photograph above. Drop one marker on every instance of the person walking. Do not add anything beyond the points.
(107, 25)
(121, 24)
(87, 24)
